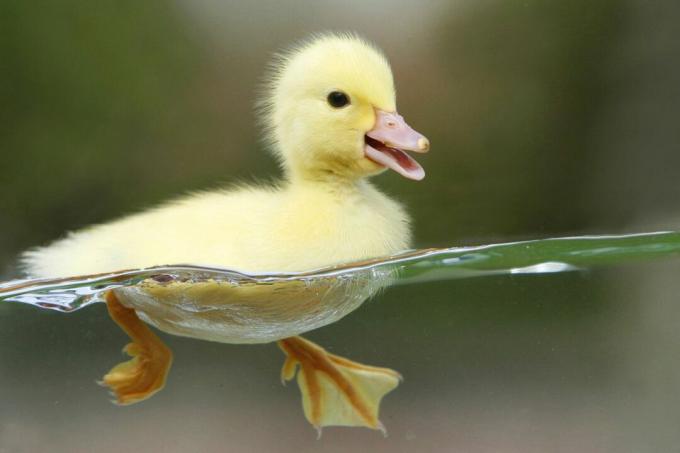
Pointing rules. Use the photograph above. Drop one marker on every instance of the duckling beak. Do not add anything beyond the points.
(387, 142)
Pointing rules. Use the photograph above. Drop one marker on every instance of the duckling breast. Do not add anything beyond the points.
(332, 227)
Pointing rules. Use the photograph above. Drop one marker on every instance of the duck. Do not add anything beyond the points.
(329, 113)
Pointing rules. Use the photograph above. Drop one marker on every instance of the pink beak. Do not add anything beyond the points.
(387, 141)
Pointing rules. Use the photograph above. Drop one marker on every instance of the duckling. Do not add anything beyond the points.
(329, 110)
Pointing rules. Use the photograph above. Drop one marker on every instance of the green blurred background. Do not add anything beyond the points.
(546, 118)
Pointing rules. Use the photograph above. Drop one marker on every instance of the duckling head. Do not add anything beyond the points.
(331, 112)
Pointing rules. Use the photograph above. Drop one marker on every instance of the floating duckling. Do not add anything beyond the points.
(331, 119)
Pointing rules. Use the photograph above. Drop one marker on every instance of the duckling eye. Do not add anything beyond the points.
(338, 99)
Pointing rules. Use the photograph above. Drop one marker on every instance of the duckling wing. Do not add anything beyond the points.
(211, 228)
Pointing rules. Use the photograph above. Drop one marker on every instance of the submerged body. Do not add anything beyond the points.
(249, 312)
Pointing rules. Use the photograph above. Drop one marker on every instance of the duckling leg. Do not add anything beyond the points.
(144, 374)
(335, 390)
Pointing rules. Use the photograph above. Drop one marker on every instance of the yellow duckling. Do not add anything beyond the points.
(330, 113)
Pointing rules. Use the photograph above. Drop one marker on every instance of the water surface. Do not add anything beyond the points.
(524, 257)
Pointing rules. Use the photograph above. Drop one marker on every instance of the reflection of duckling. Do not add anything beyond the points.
(331, 116)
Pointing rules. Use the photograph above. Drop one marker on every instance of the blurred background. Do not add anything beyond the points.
(547, 118)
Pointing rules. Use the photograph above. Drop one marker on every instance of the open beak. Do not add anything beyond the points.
(387, 142)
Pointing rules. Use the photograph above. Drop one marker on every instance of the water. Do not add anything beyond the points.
(235, 307)
(524, 257)
(556, 337)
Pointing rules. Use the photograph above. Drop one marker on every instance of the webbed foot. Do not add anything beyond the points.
(140, 377)
(336, 391)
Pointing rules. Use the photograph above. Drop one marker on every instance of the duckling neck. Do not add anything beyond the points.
(328, 180)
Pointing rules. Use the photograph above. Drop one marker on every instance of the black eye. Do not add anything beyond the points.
(338, 99)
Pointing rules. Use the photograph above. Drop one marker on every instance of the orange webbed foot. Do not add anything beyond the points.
(336, 391)
(145, 374)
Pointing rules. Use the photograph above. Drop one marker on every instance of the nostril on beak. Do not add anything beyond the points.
(391, 124)
(423, 144)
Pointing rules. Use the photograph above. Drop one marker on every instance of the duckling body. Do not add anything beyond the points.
(331, 121)
(299, 226)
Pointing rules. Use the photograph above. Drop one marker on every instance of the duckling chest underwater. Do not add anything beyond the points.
(332, 122)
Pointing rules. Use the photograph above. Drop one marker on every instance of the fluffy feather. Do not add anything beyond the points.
(323, 212)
